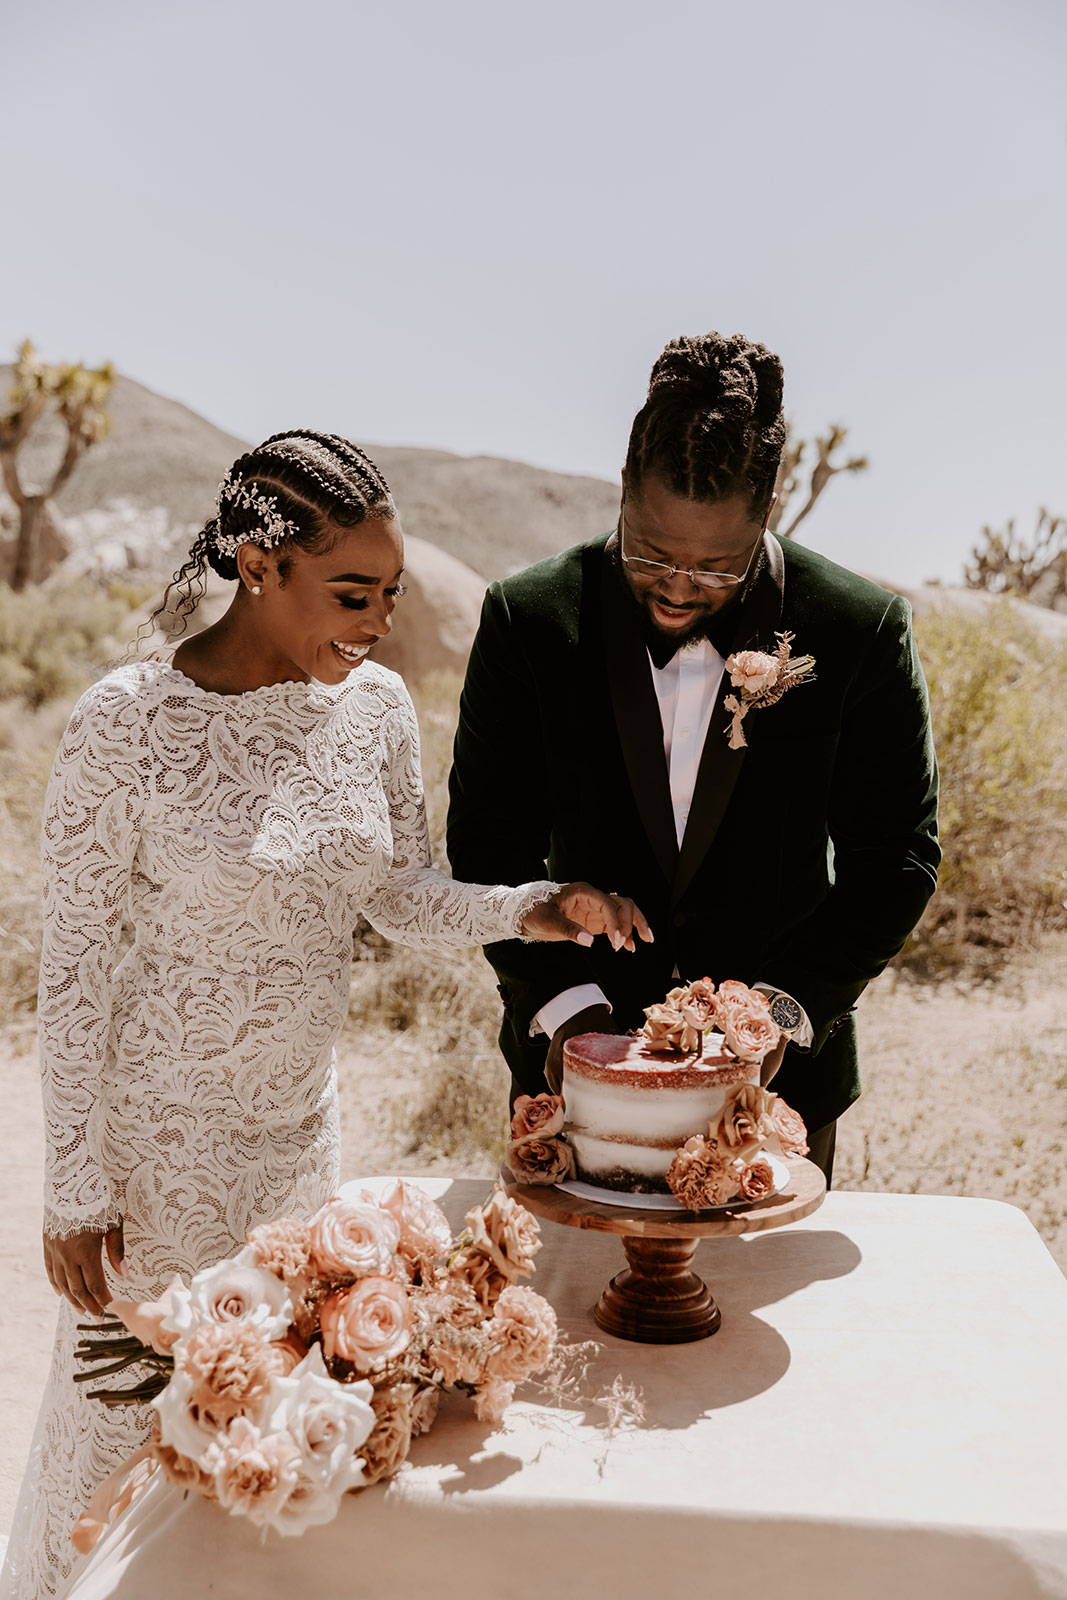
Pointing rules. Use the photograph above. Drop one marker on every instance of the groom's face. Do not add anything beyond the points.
(656, 525)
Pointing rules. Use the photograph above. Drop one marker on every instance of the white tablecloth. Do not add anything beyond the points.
(882, 1416)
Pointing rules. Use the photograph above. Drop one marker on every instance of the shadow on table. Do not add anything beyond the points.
(747, 1356)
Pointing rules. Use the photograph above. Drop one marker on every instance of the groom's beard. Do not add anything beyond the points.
(718, 627)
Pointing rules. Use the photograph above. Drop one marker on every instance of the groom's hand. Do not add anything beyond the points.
(594, 1019)
(579, 912)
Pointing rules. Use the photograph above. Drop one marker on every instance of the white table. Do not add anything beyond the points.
(883, 1416)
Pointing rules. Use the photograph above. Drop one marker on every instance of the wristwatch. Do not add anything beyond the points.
(785, 1013)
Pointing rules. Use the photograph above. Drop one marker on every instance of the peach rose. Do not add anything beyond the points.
(284, 1248)
(700, 1008)
(755, 1181)
(145, 1318)
(524, 1331)
(350, 1239)
(537, 1116)
(666, 1029)
(385, 1451)
(367, 1325)
(752, 670)
(474, 1273)
(505, 1231)
(254, 1472)
(750, 1032)
(284, 1355)
(425, 1233)
(700, 1175)
(790, 1134)
(540, 1161)
(744, 1123)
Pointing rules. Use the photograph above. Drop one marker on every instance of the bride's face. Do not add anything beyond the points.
(323, 613)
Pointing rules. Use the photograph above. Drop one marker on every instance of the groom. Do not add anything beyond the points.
(794, 846)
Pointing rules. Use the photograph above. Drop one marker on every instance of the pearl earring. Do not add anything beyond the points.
(256, 589)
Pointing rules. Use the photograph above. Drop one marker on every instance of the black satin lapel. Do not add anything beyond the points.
(638, 720)
(720, 766)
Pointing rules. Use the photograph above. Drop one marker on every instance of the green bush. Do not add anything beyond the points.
(56, 636)
(997, 691)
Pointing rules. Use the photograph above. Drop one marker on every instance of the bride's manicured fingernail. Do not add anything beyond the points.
(584, 938)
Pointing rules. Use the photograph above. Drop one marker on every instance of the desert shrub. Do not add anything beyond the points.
(55, 637)
(997, 691)
(27, 741)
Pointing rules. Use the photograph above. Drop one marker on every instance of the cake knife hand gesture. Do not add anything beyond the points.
(578, 912)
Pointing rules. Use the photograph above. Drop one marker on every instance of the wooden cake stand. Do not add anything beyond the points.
(659, 1299)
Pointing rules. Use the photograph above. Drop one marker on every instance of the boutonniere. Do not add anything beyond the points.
(762, 680)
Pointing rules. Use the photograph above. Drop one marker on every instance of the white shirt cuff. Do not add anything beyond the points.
(554, 1013)
(803, 1034)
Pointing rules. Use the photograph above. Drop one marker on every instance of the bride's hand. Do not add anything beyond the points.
(578, 912)
(75, 1267)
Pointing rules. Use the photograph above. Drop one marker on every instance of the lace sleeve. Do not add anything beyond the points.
(91, 823)
(417, 905)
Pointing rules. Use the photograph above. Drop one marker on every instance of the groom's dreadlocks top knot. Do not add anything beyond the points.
(712, 426)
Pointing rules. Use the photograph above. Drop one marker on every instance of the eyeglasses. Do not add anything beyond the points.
(701, 580)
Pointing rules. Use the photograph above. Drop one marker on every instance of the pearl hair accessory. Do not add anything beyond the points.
(274, 527)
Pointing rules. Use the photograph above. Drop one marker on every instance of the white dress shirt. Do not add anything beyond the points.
(686, 689)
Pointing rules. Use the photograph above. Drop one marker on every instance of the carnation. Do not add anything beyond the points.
(231, 1365)
(282, 1247)
(752, 670)
(700, 1175)
(254, 1472)
(492, 1399)
(524, 1331)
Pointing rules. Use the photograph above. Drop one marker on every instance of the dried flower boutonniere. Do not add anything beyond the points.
(762, 680)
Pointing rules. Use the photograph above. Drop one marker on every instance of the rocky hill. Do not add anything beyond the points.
(493, 515)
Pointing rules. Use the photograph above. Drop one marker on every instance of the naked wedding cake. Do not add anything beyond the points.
(676, 1108)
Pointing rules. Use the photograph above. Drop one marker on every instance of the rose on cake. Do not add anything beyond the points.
(535, 1153)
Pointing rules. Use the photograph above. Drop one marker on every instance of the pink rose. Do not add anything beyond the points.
(285, 1355)
(145, 1318)
(524, 1331)
(540, 1161)
(537, 1116)
(350, 1239)
(755, 1180)
(744, 1123)
(752, 670)
(790, 1135)
(367, 1325)
(425, 1234)
(700, 1175)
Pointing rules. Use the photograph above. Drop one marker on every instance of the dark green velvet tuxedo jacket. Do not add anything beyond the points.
(808, 856)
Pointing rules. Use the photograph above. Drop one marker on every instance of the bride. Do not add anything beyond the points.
(214, 825)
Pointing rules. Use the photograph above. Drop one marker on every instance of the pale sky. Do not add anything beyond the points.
(474, 225)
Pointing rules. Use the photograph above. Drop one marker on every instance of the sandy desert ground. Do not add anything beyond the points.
(965, 1096)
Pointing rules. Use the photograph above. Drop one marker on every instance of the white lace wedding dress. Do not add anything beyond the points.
(205, 858)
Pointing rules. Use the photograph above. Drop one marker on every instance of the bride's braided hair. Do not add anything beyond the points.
(310, 483)
(712, 426)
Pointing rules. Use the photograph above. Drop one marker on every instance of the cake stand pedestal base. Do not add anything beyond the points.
(659, 1299)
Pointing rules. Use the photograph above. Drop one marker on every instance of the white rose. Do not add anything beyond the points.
(232, 1291)
(327, 1421)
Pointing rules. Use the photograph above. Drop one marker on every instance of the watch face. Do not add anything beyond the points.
(785, 1012)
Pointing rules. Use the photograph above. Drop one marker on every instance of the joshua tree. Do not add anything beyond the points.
(79, 396)
(788, 484)
(1035, 569)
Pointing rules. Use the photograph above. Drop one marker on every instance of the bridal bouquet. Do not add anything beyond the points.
(302, 1367)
